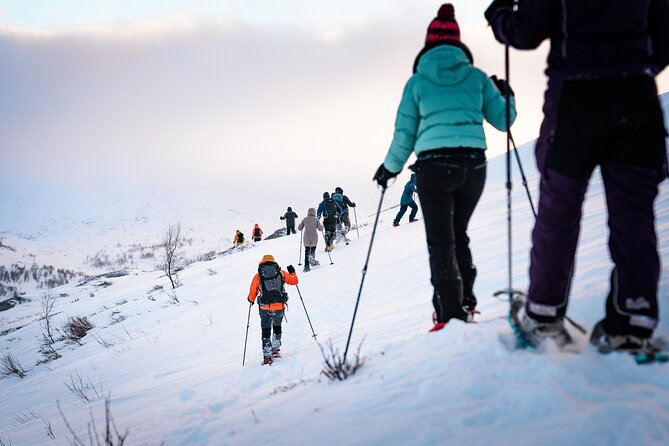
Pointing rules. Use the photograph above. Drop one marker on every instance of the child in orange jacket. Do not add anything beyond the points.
(268, 287)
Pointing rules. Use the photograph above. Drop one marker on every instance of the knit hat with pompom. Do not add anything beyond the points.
(444, 26)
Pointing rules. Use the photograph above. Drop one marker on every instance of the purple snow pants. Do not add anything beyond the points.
(617, 124)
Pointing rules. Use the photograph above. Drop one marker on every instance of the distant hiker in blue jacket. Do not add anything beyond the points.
(344, 203)
(407, 202)
(440, 118)
(331, 211)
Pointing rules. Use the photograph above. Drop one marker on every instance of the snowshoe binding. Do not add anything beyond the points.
(643, 350)
(530, 333)
(267, 360)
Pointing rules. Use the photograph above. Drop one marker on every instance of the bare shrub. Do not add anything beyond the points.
(173, 298)
(47, 340)
(210, 318)
(110, 437)
(338, 368)
(9, 366)
(48, 429)
(86, 391)
(24, 416)
(47, 303)
(211, 271)
(76, 327)
(7, 442)
(172, 239)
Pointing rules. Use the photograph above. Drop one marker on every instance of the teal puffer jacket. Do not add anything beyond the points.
(443, 105)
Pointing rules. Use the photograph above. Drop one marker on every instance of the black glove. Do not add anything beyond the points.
(250, 301)
(382, 176)
(502, 85)
(282, 218)
(496, 6)
(352, 205)
(291, 269)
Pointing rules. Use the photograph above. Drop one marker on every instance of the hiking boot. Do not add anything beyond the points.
(530, 332)
(266, 347)
(411, 221)
(395, 224)
(469, 303)
(314, 262)
(438, 326)
(276, 342)
(306, 269)
(607, 343)
(267, 360)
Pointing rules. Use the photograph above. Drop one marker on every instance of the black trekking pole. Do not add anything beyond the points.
(307, 313)
(364, 273)
(509, 185)
(522, 175)
(248, 324)
(299, 262)
(355, 214)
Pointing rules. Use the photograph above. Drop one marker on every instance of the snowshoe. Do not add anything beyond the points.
(644, 350)
(395, 224)
(306, 269)
(276, 353)
(267, 360)
(530, 333)
(411, 221)
(314, 262)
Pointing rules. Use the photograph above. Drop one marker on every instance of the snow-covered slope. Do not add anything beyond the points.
(174, 370)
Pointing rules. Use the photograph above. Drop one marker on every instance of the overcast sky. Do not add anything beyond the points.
(239, 93)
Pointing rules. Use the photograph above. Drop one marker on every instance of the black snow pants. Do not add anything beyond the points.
(450, 182)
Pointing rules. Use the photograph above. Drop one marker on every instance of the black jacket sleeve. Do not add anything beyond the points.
(348, 202)
(658, 27)
(528, 26)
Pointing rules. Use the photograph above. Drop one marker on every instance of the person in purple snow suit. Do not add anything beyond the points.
(601, 109)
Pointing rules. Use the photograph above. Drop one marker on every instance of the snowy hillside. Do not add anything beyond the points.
(172, 362)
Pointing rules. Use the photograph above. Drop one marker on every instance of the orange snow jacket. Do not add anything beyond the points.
(256, 289)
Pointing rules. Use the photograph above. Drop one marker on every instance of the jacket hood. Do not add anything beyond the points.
(256, 225)
(289, 209)
(445, 65)
(311, 212)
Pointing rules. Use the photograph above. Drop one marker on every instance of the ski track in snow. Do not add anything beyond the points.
(175, 374)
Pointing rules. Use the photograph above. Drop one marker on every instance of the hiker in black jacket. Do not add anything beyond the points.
(290, 217)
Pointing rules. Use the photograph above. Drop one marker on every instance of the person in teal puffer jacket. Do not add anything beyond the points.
(440, 118)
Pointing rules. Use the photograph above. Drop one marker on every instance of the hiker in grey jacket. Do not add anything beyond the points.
(311, 225)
